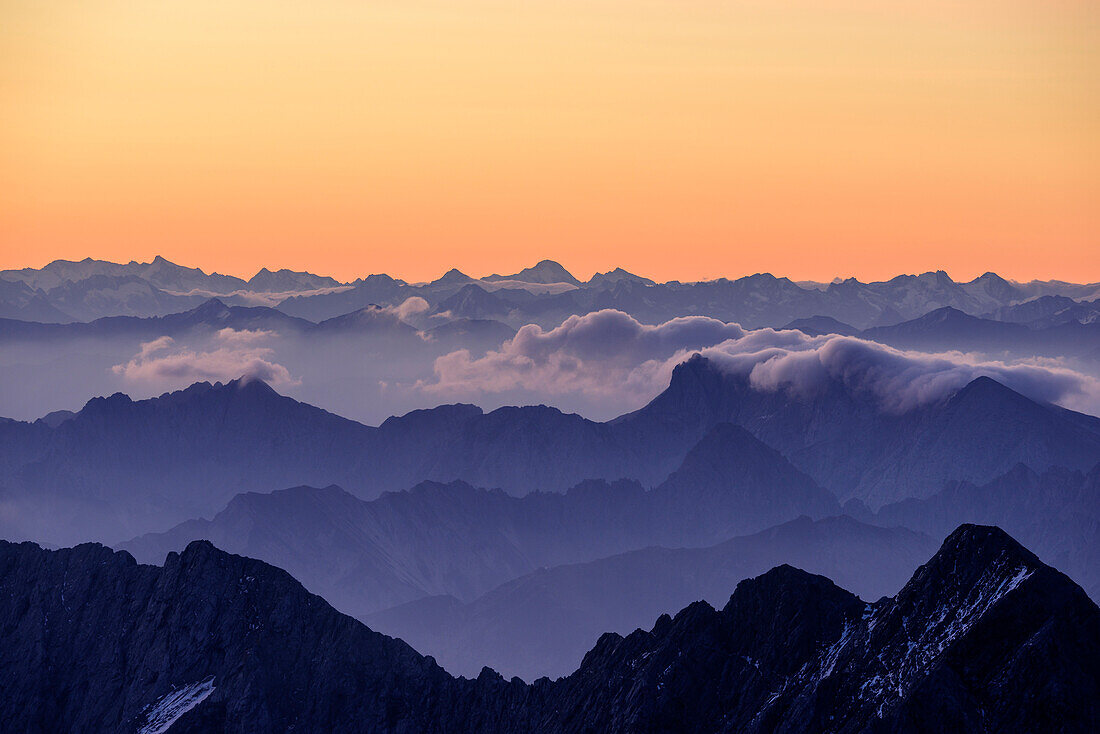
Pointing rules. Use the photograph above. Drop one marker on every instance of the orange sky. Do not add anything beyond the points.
(677, 138)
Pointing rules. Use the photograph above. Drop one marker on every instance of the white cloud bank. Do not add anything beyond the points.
(610, 355)
(236, 353)
(412, 306)
(602, 353)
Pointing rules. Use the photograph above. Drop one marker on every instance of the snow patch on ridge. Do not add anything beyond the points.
(169, 708)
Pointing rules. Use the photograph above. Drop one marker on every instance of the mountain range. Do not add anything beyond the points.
(545, 293)
(1056, 512)
(1070, 332)
(120, 467)
(474, 574)
(265, 460)
(92, 641)
(457, 540)
(541, 623)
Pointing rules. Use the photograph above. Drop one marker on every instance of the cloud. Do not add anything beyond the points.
(156, 345)
(241, 336)
(183, 366)
(897, 380)
(412, 306)
(604, 352)
(608, 354)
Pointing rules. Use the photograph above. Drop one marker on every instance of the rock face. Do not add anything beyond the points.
(983, 638)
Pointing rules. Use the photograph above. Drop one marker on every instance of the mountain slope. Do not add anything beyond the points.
(120, 466)
(983, 638)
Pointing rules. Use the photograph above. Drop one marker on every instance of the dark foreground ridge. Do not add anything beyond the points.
(984, 637)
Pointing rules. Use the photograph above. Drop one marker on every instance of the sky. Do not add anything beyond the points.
(680, 139)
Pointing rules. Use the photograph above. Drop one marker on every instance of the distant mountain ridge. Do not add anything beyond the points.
(198, 447)
(65, 291)
(972, 435)
(457, 540)
(529, 296)
(89, 640)
(543, 622)
(1056, 512)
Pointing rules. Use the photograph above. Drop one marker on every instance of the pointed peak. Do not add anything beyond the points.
(199, 548)
(974, 559)
(974, 541)
(729, 440)
(617, 276)
(696, 373)
(251, 385)
(777, 598)
(213, 305)
(105, 403)
(984, 388)
(542, 272)
(453, 276)
(946, 313)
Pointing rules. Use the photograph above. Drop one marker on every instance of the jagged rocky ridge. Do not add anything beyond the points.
(984, 638)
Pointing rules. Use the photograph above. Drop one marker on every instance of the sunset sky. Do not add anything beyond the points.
(680, 139)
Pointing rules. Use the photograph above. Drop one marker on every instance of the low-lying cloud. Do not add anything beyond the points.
(412, 306)
(236, 353)
(610, 355)
(605, 352)
(897, 380)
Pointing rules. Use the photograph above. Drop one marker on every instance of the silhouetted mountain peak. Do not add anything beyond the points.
(728, 449)
(371, 317)
(695, 382)
(453, 276)
(252, 387)
(818, 325)
(987, 392)
(543, 272)
(618, 276)
(786, 614)
(105, 404)
(977, 548)
(212, 309)
(943, 315)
